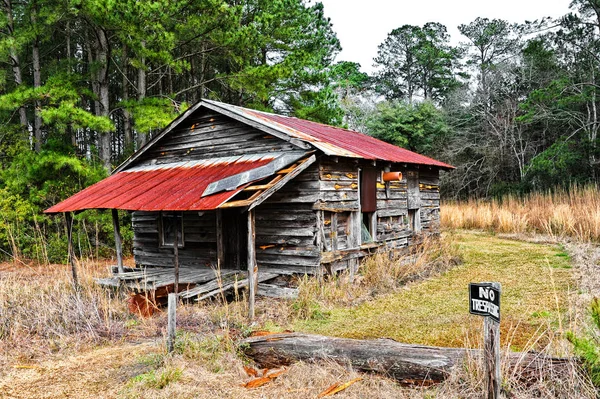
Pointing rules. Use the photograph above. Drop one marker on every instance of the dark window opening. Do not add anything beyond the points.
(171, 223)
(368, 229)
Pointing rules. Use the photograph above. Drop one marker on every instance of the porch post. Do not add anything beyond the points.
(69, 220)
(220, 241)
(252, 267)
(118, 241)
(176, 253)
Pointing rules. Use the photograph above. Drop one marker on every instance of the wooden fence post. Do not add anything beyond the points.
(171, 321)
(492, 355)
(252, 268)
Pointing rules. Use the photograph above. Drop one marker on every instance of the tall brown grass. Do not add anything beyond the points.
(573, 212)
(41, 311)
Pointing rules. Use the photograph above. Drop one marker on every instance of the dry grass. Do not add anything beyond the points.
(56, 342)
(563, 213)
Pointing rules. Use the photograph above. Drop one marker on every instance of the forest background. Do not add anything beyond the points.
(84, 83)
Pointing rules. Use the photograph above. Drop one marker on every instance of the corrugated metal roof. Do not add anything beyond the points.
(167, 187)
(332, 140)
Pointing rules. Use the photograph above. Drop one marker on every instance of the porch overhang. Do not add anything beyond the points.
(182, 186)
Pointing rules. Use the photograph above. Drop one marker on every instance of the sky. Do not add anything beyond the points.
(361, 25)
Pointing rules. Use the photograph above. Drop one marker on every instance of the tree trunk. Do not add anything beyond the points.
(102, 87)
(142, 138)
(403, 362)
(37, 82)
(127, 130)
(14, 58)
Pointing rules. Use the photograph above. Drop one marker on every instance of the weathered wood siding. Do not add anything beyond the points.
(429, 187)
(286, 227)
(200, 248)
(339, 203)
(209, 135)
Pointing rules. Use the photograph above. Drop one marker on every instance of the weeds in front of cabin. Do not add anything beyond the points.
(380, 274)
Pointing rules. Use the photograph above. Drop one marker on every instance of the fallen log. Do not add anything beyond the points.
(406, 363)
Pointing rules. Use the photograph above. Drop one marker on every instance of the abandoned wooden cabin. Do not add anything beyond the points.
(247, 190)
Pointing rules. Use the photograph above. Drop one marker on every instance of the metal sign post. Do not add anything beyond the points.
(484, 300)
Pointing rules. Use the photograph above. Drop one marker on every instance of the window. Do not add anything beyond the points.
(171, 222)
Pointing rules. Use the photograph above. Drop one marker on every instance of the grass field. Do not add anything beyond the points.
(56, 342)
(536, 280)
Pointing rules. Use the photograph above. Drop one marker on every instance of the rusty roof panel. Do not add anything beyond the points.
(166, 187)
(332, 140)
(347, 140)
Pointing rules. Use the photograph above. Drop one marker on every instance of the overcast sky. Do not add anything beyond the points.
(361, 25)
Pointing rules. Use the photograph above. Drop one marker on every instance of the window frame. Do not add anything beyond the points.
(161, 230)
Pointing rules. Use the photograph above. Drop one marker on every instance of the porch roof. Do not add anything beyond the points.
(180, 186)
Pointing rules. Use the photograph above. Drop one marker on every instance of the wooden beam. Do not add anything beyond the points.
(69, 221)
(252, 267)
(118, 240)
(304, 164)
(220, 240)
(176, 255)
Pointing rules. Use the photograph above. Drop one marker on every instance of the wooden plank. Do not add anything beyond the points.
(118, 244)
(171, 320)
(334, 231)
(71, 251)
(239, 284)
(413, 199)
(159, 136)
(258, 125)
(220, 240)
(340, 206)
(274, 291)
(252, 267)
(304, 164)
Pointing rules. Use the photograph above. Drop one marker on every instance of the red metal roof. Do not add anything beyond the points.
(361, 144)
(169, 187)
(331, 140)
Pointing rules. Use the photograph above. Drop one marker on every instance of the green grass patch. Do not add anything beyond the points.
(535, 282)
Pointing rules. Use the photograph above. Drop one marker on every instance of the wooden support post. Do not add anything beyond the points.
(334, 231)
(319, 233)
(252, 267)
(171, 321)
(176, 255)
(491, 355)
(220, 240)
(118, 240)
(72, 261)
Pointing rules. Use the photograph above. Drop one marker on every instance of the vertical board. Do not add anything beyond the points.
(414, 198)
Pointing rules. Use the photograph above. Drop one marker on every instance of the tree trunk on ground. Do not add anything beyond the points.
(403, 362)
